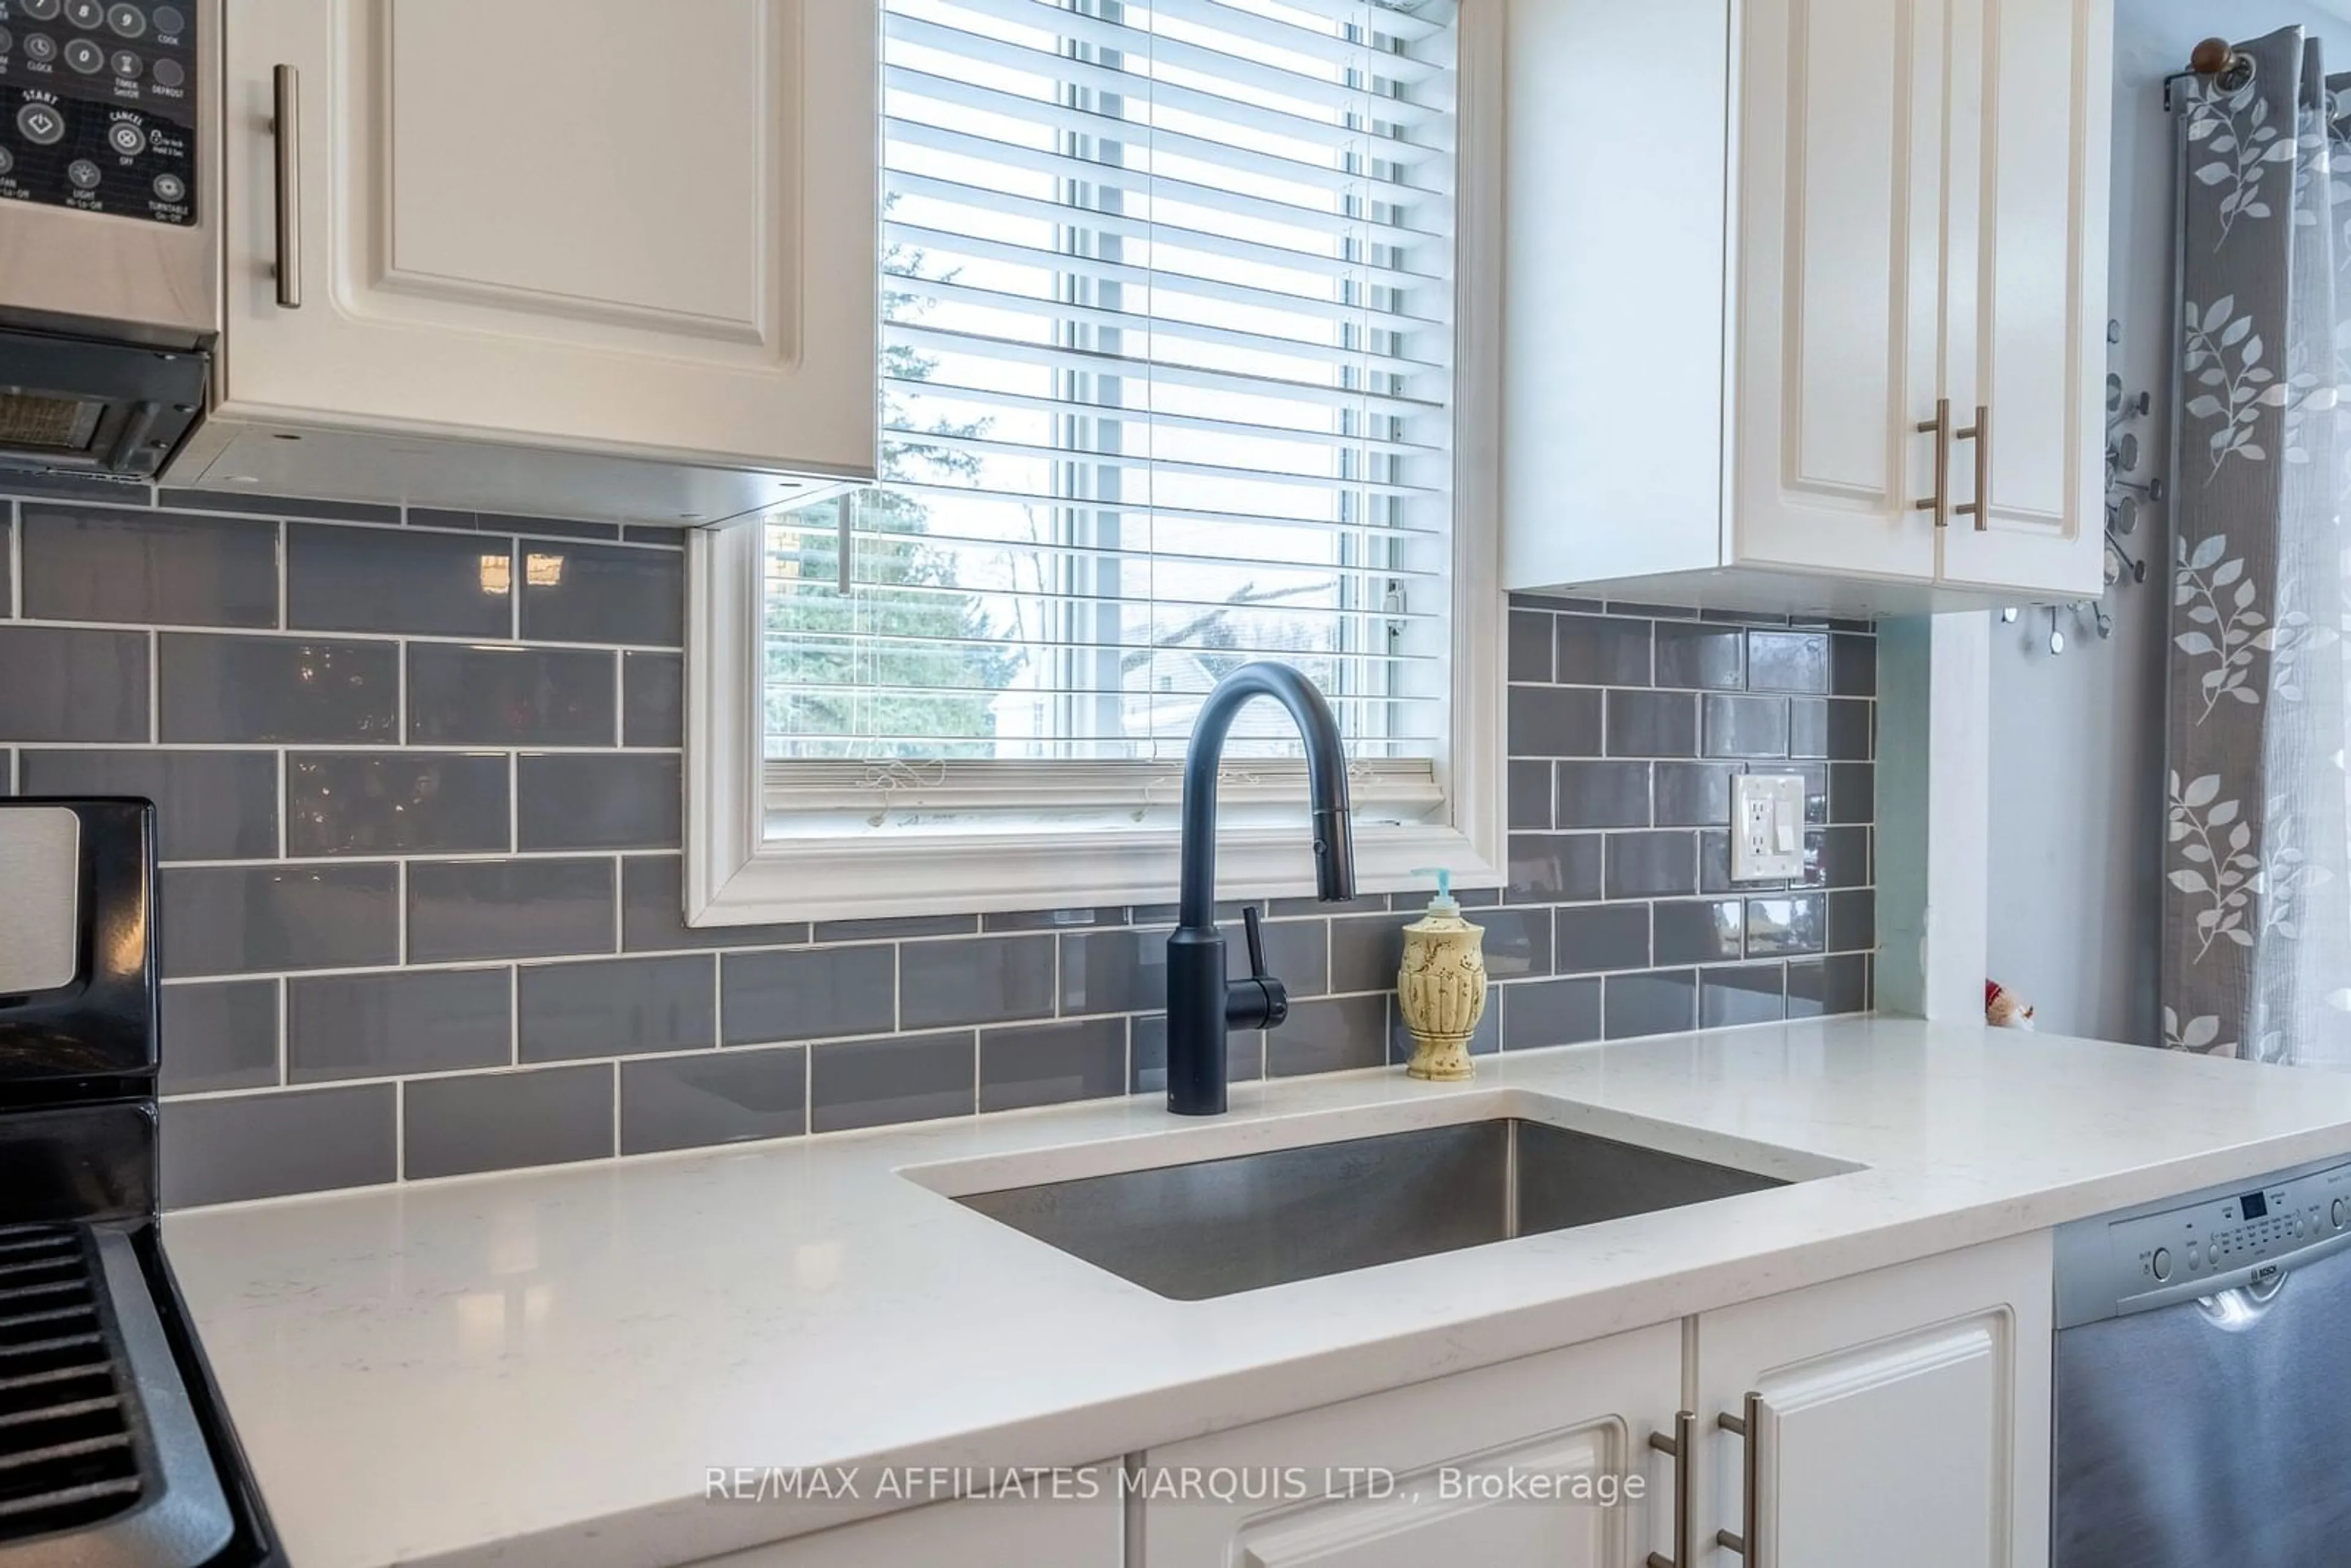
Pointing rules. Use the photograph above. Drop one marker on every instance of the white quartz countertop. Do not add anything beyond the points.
(543, 1366)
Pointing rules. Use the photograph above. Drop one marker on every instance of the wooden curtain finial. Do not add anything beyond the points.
(2212, 56)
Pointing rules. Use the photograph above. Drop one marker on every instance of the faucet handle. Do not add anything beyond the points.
(1260, 1001)
(1256, 934)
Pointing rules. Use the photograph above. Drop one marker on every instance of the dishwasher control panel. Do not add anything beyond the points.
(2247, 1235)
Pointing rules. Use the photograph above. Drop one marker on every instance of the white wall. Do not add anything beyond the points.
(2078, 763)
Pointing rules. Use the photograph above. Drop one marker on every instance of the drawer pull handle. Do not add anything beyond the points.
(1748, 1427)
(1980, 434)
(285, 131)
(1940, 427)
(1678, 1446)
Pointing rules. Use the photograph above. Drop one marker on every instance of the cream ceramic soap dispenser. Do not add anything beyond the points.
(1441, 986)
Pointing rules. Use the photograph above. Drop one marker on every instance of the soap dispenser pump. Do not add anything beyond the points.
(1441, 986)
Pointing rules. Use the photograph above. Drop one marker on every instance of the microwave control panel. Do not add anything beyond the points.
(98, 107)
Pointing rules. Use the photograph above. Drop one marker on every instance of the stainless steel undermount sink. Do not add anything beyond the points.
(1218, 1227)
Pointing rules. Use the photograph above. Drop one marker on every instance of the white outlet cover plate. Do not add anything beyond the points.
(1767, 827)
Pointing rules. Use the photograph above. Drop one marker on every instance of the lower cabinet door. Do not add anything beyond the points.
(1069, 1532)
(1543, 1461)
(1900, 1417)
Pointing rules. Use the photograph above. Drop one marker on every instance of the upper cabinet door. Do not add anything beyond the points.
(1838, 284)
(2032, 86)
(648, 230)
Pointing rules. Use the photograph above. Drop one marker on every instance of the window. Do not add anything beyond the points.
(1171, 376)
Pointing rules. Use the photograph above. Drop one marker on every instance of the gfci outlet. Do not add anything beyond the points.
(1767, 827)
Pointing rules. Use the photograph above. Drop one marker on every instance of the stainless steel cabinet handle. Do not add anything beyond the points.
(1678, 1445)
(285, 129)
(1940, 427)
(1980, 434)
(1748, 1427)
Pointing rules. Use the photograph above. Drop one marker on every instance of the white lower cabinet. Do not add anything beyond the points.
(977, 1533)
(1900, 1417)
(1315, 1487)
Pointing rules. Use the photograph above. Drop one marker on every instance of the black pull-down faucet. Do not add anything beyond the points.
(1201, 1005)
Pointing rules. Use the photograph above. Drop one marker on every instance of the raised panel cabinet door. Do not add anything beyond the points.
(1837, 285)
(573, 223)
(2031, 82)
(1070, 1531)
(1900, 1416)
(1513, 1466)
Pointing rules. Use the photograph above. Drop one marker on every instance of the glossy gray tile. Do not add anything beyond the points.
(1602, 650)
(1837, 857)
(398, 1022)
(1836, 984)
(500, 522)
(1298, 953)
(653, 918)
(1517, 942)
(1603, 794)
(1788, 661)
(509, 909)
(395, 803)
(260, 919)
(1778, 927)
(1744, 993)
(218, 1035)
(7, 564)
(1853, 664)
(108, 563)
(1554, 867)
(1114, 971)
(874, 1082)
(603, 594)
(379, 580)
(1555, 721)
(1661, 865)
(1694, 654)
(268, 1145)
(1694, 794)
(986, 980)
(1853, 792)
(1529, 794)
(653, 699)
(1651, 724)
(723, 1097)
(1697, 931)
(1147, 1055)
(574, 801)
(299, 690)
(1849, 725)
(1591, 938)
(60, 682)
(1331, 1034)
(1054, 919)
(502, 1121)
(1853, 921)
(893, 929)
(1549, 1012)
(616, 1006)
(1366, 950)
(209, 805)
(276, 506)
(1046, 1064)
(1663, 1001)
(811, 994)
(1746, 726)
(461, 695)
(1530, 645)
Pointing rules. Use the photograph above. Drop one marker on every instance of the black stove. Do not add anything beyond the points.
(115, 1449)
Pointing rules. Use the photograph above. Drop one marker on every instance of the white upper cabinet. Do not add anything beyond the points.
(1900, 1417)
(1907, 202)
(576, 226)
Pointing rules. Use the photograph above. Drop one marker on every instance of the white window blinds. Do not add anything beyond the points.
(1167, 386)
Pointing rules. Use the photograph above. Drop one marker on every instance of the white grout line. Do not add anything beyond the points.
(514, 1015)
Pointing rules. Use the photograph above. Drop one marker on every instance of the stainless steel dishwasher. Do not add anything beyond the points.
(2203, 1398)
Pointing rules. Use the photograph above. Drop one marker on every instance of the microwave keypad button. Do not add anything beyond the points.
(7, 41)
(170, 22)
(37, 10)
(171, 188)
(170, 73)
(84, 174)
(8, 162)
(128, 21)
(86, 14)
(85, 56)
(40, 48)
(125, 137)
(41, 124)
(128, 65)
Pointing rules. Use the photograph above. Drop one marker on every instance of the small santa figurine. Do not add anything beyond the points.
(2004, 1008)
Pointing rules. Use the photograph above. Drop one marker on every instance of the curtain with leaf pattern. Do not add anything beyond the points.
(2256, 958)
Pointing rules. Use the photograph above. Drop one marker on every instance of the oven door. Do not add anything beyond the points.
(2210, 1431)
(75, 405)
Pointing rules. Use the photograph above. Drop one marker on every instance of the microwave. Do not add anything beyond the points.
(109, 243)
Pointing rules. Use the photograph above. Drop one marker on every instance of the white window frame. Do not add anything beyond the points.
(735, 875)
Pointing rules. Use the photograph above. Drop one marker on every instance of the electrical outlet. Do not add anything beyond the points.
(1767, 827)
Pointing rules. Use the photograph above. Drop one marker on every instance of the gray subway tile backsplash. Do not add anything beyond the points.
(424, 810)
